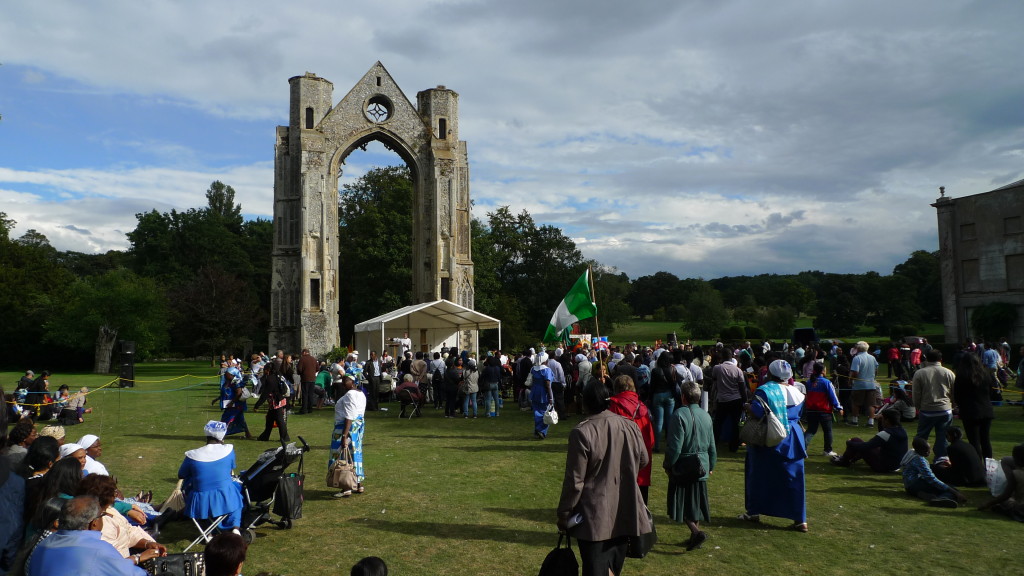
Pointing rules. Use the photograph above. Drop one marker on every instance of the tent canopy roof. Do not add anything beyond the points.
(437, 314)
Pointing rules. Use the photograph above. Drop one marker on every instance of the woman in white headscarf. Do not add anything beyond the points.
(210, 490)
(774, 475)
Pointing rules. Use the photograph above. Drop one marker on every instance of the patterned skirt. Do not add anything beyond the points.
(356, 433)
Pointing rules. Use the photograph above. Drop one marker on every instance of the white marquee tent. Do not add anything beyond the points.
(429, 325)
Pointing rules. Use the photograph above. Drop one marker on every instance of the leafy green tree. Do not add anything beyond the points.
(32, 285)
(659, 290)
(922, 272)
(220, 204)
(777, 321)
(184, 250)
(840, 306)
(705, 312)
(118, 305)
(375, 240)
(534, 264)
(228, 312)
(890, 301)
(611, 289)
(747, 311)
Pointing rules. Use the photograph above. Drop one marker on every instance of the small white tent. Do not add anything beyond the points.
(429, 325)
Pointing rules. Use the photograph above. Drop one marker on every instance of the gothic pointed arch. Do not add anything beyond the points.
(309, 155)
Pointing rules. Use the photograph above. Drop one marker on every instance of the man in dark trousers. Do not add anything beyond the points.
(308, 367)
(372, 371)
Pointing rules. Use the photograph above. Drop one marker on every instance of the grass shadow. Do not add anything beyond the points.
(197, 439)
(462, 532)
(526, 447)
(533, 514)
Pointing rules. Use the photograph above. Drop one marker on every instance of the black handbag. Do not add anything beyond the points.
(560, 561)
(688, 468)
(289, 497)
(186, 564)
(639, 546)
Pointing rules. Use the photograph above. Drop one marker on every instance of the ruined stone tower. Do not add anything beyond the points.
(308, 158)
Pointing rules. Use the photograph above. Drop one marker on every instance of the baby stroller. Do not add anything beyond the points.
(266, 487)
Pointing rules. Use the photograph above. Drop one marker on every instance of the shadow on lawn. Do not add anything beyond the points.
(542, 515)
(455, 531)
(197, 439)
(487, 437)
(535, 446)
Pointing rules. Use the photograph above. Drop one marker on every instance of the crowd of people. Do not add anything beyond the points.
(685, 402)
(688, 402)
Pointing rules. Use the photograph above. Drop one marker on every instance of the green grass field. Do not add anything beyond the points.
(478, 496)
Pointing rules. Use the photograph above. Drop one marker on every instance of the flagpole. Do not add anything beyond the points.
(597, 328)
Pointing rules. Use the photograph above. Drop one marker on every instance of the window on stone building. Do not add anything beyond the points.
(378, 80)
(1015, 272)
(1012, 225)
(446, 288)
(968, 232)
(970, 275)
(309, 118)
(314, 293)
(442, 128)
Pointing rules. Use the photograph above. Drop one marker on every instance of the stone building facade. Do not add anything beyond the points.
(981, 247)
(309, 156)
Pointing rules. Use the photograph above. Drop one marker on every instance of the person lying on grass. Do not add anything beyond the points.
(920, 481)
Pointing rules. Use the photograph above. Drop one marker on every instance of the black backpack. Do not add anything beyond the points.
(438, 378)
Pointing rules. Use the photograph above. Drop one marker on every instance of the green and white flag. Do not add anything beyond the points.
(576, 306)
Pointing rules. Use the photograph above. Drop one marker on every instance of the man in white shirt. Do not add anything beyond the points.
(406, 343)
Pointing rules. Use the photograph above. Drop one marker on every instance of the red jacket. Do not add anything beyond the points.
(628, 405)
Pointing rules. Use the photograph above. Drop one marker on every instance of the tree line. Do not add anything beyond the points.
(197, 283)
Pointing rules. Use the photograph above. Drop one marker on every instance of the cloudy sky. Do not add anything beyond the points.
(705, 138)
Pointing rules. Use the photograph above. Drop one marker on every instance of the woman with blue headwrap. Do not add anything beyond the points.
(210, 490)
(774, 475)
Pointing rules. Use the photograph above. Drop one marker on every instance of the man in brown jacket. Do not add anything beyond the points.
(599, 493)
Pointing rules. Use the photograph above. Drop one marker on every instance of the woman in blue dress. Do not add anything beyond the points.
(234, 406)
(210, 490)
(540, 396)
(774, 475)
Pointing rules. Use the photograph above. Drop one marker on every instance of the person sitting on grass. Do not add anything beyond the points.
(1011, 501)
(919, 480)
(883, 452)
(962, 466)
(116, 528)
(899, 402)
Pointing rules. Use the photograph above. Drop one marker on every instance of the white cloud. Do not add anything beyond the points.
(662, 135)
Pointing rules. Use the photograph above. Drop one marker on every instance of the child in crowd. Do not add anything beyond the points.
(821, 401)
(920, 481)
(899, 401)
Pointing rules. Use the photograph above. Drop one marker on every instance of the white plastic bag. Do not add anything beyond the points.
(995, 478)
(550, 416)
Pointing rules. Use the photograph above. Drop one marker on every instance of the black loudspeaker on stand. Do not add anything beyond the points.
(127, 364)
